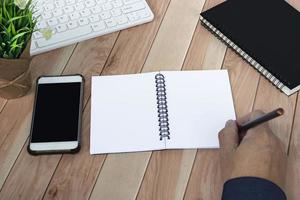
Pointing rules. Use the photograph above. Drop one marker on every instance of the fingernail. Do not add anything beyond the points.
(229, 123)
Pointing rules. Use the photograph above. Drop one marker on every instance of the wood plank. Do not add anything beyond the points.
(137, 162)
(167, 174)
(269, 98)
(205, 181)
(131, 43)
(88, 59)
(173, 39)
(293, 166)
(206, 51)
(16, 116)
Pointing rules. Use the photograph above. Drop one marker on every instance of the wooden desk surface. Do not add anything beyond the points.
(173, 41)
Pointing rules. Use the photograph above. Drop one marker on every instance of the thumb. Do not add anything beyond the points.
(228, 137)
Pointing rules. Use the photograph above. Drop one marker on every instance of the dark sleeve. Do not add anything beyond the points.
(251, 188)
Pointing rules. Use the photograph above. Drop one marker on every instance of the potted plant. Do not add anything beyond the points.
(16, 25)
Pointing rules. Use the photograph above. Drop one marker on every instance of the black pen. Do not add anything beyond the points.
(259, 120)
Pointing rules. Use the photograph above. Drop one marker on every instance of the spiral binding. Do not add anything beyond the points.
(162, 107)
(242, 53)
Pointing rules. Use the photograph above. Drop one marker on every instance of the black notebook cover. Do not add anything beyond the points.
(265, 32)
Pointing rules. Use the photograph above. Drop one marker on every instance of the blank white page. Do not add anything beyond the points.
(199, 104)
(124, 114)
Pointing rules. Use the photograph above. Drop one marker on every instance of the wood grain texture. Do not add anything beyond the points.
(167, 174)
(82, 61)
(170, 47)
(205, 180)
(16, 116)
(269, 98)
(293, 167)
(121, 176)
(29, 176)
(205, 51)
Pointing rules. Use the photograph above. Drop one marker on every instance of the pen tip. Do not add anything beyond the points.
(280, 111)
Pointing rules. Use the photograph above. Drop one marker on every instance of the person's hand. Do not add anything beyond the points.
(259, 154)
(295, 4)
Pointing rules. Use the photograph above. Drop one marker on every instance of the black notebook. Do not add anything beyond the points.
(265, 33)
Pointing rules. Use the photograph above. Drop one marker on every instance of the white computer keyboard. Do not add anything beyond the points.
(73, 21)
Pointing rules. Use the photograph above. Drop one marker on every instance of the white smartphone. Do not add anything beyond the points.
(56, 119)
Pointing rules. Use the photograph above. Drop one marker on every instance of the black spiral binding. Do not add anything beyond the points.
(162, 107)
(243, 54)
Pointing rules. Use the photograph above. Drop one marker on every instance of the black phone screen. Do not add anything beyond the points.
(56, 112)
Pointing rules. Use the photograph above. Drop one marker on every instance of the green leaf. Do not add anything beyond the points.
(16, 28)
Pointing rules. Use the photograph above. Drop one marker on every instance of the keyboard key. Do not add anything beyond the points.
(57, 12)
(70, 2)
(107, 6)
(70, 34)
(105, 15)
(110, 22)
(90, 3)
(133, 16)
(59, 3)
(49, 7)
(85, 12)
(117, 3)
(143, 13)
(33, 46)
(98, 26)
(63, 19)
(130, 1)
(74, 15)
(96, 9)
(37, 35)
(72, 24)
(94, 18)
(133, 7)
(68, 9)
(79, 6)
(101, 1)
(116, 12)
(83, 21)
(41, 25)
(52, 22)
(61, 28)
(122, 20)
(47, 15)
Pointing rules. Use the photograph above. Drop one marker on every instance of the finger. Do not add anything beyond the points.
(295, 4)
(250, 116)
(228, 136)
(259, 132)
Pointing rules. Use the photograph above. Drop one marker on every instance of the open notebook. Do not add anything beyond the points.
(159, 110)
